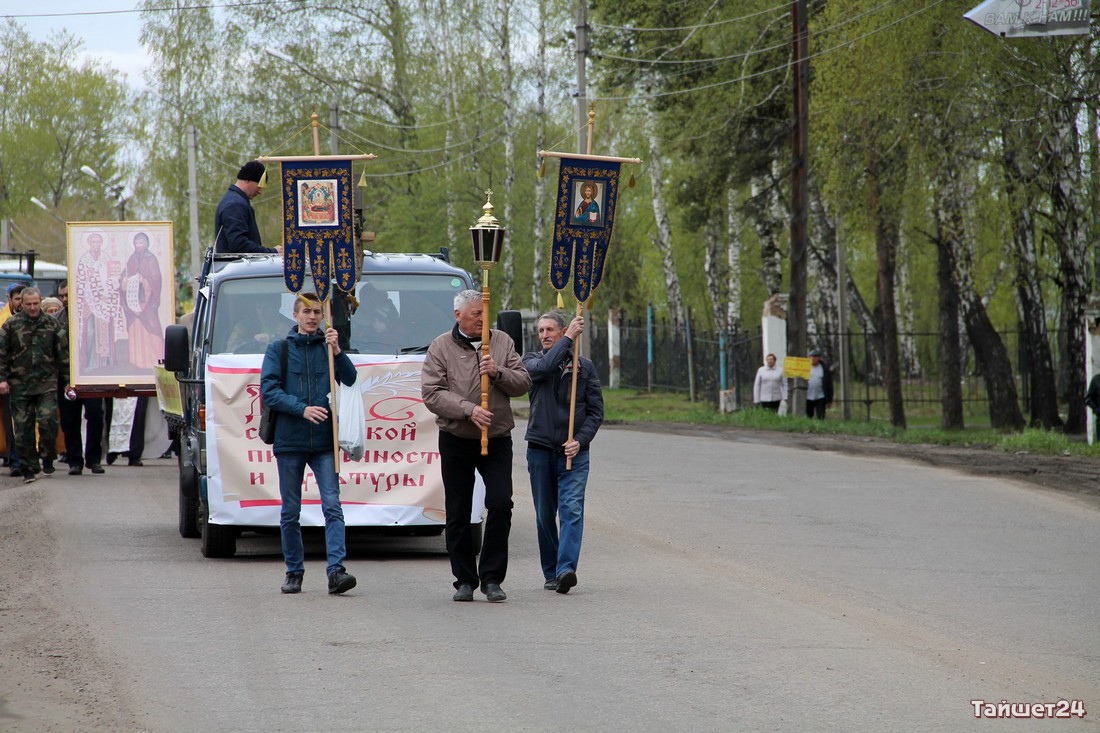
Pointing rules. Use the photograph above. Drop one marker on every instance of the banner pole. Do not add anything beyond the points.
(333, 398)
(580, 312)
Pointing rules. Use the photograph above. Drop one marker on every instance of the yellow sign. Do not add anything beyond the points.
(168, 391)
(796, 366)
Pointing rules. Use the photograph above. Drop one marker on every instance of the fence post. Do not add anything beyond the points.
(722, 381)
(614, 347)
(649, 347)
(691, 355)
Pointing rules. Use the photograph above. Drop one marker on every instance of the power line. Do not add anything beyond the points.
(635, 29)
(763, 72)
(437, 165)
(746, 54)
(130, 11)
(421, 151)
(394, 126)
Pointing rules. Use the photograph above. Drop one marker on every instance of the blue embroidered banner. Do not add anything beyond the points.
(317, 225)
(585, 216)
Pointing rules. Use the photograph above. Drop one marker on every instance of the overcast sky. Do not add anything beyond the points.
(107, 34)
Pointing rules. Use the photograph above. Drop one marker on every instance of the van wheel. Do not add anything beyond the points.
(217, 541)
(189, 499)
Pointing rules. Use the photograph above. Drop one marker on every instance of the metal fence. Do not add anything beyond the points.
(655, 356)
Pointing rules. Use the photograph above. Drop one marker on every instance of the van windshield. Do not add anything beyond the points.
(395, 313)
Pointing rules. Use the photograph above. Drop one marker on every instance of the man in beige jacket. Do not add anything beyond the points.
(451, 387)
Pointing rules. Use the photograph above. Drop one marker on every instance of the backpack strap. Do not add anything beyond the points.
(283, 360)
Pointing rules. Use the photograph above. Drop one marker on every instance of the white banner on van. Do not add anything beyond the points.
(397, 482)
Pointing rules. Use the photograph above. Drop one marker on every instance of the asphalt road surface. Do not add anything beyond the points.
(724, 586)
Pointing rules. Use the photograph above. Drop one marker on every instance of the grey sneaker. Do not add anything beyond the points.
(28, 477)
(551, 584)
(293, 583)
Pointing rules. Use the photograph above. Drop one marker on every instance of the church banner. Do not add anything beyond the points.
(318, 225)
(583, 222)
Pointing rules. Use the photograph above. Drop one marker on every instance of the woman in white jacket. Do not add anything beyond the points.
(770, 388)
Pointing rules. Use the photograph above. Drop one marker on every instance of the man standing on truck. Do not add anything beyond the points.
(235, 219)
(298, 397)
(33, 352)
(451, 387)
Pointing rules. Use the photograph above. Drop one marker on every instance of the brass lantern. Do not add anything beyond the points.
(488, 239)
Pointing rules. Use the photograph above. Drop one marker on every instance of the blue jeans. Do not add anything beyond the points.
(292, 468)
(559, 499)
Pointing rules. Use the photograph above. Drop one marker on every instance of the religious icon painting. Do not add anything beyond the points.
(317, 203)
(587, 203)
(121, 296)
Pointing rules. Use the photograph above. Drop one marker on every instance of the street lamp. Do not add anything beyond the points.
(488, 241)
(334, 108)
(117, 190)
(40, 204)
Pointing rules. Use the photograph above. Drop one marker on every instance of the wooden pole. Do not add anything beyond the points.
(333, 395)
(484, 353)
(580, 312)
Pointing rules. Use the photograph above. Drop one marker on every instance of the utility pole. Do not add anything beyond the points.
(193, 201)
(796, 315)
(582, 91)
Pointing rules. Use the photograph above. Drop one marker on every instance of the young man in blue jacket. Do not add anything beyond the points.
(558, 491)
(303, 436)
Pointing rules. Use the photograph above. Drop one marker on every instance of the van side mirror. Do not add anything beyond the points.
(177, 349)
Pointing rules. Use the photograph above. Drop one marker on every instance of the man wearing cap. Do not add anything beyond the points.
(235, 220)
(819, 388)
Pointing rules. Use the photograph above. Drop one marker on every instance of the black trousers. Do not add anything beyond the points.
(816, 408)
(72, 412)
(460, 457)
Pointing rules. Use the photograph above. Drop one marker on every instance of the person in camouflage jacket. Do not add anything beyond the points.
(33, 353)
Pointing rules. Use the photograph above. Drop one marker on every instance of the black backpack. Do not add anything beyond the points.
(267, 415)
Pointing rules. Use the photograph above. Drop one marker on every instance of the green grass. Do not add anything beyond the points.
(624, 405)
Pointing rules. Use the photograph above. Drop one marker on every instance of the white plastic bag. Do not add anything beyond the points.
(352, 421)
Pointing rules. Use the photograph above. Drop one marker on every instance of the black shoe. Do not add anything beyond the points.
(340, 581)
(47, 467)
(28, 477)
(17, 471)
(293, 583)
(166, 454)
(111, 458)
(551, 584)
(75, 469)
(566, 580)
(96, 468)
(465, 592)
(494, 593)
(134, 462)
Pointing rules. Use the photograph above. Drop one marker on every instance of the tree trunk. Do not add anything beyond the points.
(1043, 392)
(541, 76)
(508, 95)
(762, 208)
(1069, 222)
(886, 232)
(950, 347)
(733, 260)
(712, 269)
(663, 238)
(910, 357)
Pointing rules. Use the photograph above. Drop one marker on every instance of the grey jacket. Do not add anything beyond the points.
(451, 383)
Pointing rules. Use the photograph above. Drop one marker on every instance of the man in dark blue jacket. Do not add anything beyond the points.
(559, 491)
(235, 220)
(303, 436)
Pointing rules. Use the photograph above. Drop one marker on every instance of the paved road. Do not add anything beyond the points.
(723, 587)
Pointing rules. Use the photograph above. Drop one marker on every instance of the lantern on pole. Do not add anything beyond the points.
(488, 240)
